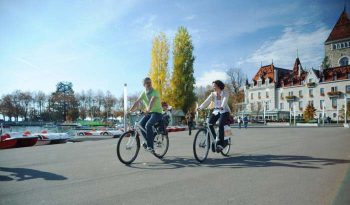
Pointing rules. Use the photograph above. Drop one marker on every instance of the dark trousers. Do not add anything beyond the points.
(223, 118)
(190, 125)
(147, 123)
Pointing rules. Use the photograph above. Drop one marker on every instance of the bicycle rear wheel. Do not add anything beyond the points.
(201, 145)
(161, 145)
(128, 147)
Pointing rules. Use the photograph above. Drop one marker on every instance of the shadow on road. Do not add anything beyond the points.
(243, 161)
(22, 174)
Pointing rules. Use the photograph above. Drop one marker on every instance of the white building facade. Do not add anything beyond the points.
(277, 93)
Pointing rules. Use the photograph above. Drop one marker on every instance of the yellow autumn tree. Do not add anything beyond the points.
(159, 65)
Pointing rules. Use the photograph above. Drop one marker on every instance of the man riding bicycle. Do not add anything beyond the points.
(153, 113)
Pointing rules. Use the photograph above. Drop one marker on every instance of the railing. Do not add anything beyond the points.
(311, 85)
(291, 97)
(334, 93)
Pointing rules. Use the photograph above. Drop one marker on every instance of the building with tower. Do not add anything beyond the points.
(278, 93)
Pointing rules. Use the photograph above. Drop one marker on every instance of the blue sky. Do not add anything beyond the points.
(103, 44)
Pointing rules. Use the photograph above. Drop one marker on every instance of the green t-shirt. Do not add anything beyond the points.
(157, 107)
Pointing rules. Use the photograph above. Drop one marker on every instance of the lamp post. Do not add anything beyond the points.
(290, 115)
(323, 113)
(125, 104)
(345, 110)
(294, 113)
(337, 112)
(264, 104)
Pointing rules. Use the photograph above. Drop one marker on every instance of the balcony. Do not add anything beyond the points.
(311, 85)
(290, 97)
(334, 94)
(301, 96)
(322, 94)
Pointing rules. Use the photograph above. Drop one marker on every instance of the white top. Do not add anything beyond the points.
(213, 98)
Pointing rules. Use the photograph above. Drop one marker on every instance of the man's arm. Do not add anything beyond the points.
(136, 103)
(151, 103)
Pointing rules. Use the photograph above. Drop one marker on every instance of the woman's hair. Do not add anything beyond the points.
(220, 84)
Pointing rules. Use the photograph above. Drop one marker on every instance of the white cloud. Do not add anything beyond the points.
(190, 17)
(283, 49)
(209, 76)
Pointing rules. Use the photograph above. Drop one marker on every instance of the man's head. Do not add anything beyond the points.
(147, 83)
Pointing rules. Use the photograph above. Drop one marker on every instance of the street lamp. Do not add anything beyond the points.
(345, 110)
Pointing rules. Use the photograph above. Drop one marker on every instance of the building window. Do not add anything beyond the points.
(311, 93)
(267, 94)
(290, 93)
(334, 115)
(344, 61)
(301, 105)
(251, 95)
(311, 102)
(334, 46)
(335, 77)
(281, 106)
(321, 104)
(259, 83)
(348, 75)
(300, 93)
(267, 106)
(334, 89)
(259, 96)
(310, 80)
(322, 91)
(347, 89)
(334, 102)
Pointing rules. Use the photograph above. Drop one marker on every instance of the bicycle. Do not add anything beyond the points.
(204, 139)
(129, 141)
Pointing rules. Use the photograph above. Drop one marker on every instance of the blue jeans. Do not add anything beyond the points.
(147, 123)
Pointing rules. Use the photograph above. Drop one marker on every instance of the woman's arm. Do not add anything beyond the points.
(224, 100)
(206, 102)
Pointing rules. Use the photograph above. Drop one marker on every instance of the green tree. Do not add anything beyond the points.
(159, 64)
(309, 112)
(63, 103)
(325, 63)
(182, 80)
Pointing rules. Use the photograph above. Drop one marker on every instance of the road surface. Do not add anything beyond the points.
(269, 166)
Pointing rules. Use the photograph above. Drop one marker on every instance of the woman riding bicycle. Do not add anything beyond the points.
(220, 100)
(153, 113)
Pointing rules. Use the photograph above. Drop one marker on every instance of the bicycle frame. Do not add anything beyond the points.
(207, 124)
(137, 129)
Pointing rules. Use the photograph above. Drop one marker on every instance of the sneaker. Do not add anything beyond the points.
(144, 145)
(149, 149)
(219, 148)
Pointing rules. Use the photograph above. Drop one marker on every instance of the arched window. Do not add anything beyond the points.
(344, 61)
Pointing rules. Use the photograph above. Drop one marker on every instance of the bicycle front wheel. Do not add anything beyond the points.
(161, 145)
(128, 147)
(201, 145)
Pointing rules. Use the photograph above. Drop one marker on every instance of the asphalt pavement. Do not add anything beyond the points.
(269, 166)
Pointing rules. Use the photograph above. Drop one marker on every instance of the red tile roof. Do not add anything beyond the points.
(341, 72)
(341, 29)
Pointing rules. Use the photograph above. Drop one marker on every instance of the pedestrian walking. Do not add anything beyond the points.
(245, 121)
(189, 118)
(239, 120)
